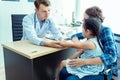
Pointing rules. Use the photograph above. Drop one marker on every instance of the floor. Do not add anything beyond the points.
(2, 76)
(2, 73)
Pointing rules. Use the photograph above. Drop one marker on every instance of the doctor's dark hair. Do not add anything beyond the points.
(44, 2)
(95, 11)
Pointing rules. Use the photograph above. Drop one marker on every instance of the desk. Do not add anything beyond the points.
(69, 31)
(26, 61)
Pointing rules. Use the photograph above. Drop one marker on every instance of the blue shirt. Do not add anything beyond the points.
(34, 29)
(109, 57)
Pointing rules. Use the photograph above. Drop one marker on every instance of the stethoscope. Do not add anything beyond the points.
(35, 20)
(35, 14)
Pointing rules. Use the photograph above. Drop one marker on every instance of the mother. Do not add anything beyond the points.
(110, 54)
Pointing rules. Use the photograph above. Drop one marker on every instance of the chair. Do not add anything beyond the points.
(117, 40)
(17, 26)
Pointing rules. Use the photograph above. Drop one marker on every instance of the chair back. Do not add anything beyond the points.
(17, 29)
(117, 40)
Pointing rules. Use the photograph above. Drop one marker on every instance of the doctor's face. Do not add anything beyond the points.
(43, 12)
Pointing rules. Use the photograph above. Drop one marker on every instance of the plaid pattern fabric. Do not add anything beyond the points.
(110, 51)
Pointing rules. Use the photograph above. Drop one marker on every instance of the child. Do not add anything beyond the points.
(90, 48)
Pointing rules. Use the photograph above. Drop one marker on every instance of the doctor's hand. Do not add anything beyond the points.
(53, 44)
(66, 43)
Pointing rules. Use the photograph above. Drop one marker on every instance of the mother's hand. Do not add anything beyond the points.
(77, 62)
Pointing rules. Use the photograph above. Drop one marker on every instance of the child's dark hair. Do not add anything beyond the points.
(94, 25)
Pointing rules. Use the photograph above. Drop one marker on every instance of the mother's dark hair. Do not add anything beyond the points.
(95, 11)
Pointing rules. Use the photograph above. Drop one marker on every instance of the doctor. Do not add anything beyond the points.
(36, 25)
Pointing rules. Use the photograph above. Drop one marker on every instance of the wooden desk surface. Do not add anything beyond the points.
(29, 50)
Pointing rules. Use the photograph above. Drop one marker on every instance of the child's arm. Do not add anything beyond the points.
(75, 55)
(79, 45)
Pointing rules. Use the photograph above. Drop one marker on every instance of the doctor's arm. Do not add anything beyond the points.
(30, 33)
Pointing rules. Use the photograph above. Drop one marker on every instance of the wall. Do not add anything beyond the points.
(62, 10)
(6, 9)
(110, 10)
